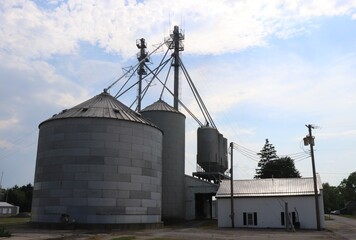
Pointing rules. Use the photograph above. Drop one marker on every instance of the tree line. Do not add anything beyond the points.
(337, 197)
(19, 196)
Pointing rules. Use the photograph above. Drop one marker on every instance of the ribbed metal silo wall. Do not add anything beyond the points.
(221, 152)
(98, 171)
(173, 162)
(225, 154)
(208, 148)
(223, 165)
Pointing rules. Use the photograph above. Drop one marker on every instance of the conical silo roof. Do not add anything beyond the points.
(102, 106)
(160, 105)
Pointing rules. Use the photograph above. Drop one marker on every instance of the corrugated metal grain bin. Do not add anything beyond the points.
(98, 163)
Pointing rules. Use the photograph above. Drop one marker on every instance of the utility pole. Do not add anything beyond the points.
(232, 215)
(309, 139)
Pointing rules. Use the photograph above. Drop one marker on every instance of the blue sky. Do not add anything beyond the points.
(263, 68)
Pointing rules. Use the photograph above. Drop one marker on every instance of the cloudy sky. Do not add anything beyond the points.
(264, 68)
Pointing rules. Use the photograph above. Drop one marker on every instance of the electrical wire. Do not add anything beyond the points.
(253, 155)
(19, 142)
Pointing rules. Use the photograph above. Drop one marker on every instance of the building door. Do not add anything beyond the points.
(203, 205)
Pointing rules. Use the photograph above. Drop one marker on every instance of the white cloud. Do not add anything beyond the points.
(293, 86)
(8, 122)
(33, 38)
(31, 32)
(38, 81)
(61, 99)
(215, 27)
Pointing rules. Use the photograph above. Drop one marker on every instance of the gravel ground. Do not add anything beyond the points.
(204, 230)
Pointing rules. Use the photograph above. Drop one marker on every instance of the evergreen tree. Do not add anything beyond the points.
(267, 154)
(270, 165)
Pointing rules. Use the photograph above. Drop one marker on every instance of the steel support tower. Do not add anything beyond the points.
(176, 44)
(142, 58)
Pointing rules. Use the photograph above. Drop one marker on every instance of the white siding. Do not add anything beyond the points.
(12, 210)
(269, 210)
(224, 211)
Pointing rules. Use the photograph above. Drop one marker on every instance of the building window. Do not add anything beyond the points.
(282, 219)
(250, 219)
(4, 211)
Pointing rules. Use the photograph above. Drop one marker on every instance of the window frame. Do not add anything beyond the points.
(250, 218)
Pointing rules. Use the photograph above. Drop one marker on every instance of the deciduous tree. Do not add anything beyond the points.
(333, 198)
(280, 168)
(348, 187)
(21, 196)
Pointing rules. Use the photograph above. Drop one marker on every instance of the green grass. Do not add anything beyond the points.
(13, 220)
(328, 218)
(124, 238)
(163, 238)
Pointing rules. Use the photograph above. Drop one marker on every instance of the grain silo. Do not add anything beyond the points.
(208, 149)
(172, 123)
(98, 163)
(211, 155)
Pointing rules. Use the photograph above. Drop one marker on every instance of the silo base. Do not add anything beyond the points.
(68, 226)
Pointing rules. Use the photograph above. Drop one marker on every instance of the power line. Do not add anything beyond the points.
(18, 145)
(253, 155)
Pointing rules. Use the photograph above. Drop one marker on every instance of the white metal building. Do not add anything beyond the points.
(6, 209)
(260, 203)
